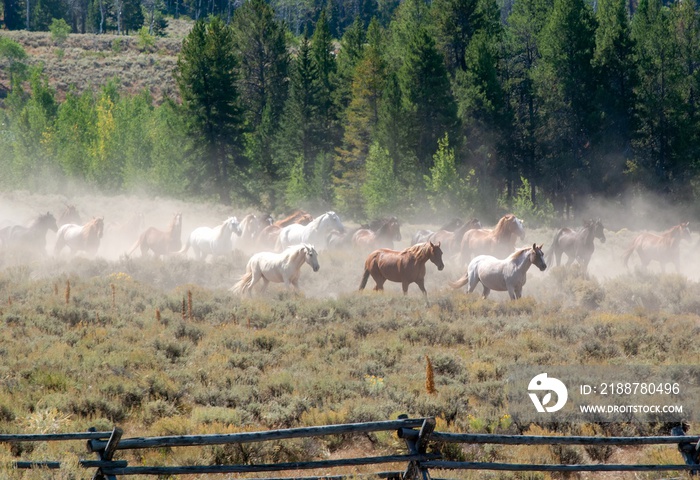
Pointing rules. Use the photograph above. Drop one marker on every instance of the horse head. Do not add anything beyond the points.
(474, 223)
(48, 221)
(331, 221)
(311, 256)
(436, 255)
(69, 215)
(99, 226)
(519, 228)
(537, 257)
(598, 230)
(685, 230)
(232, 224)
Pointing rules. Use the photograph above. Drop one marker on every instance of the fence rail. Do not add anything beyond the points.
(418, 434)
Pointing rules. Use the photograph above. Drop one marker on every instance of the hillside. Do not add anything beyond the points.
(90, 61)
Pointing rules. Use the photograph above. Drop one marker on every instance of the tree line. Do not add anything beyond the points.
(450, 106)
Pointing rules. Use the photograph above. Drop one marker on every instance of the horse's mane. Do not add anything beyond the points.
(518, 252)
(290, 218)
(500, 228)
(420, 250)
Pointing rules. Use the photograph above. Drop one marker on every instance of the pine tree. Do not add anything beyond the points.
(427, 95)
(566, 85)
(206, 76)
(324, 57)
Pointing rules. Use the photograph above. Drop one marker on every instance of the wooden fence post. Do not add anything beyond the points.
(107, 454)
(417, 446)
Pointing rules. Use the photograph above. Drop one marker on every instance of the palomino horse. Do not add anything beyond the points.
(499, 241)
(577, 244)
(405, 266)
(451, 241)
(267, 238)
(383, 237)
(69, 215)
(282, 267)
(215, 241)
(502, 275)
(664, 248)
(80, 238)
(159, 241)
(32, 237)
(422, 236)
(314, 232)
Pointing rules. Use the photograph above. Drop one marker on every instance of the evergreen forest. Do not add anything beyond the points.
(372, 107)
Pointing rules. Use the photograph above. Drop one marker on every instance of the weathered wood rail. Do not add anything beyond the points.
(418, 434)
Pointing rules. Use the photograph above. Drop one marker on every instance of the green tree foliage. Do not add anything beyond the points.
(59, 29)
(615, 69)
(13, 57)
(323, 55)
(207, 80)
(351, 47)
(361, 118)
(566, 85)
(427, 95)
(381, 190)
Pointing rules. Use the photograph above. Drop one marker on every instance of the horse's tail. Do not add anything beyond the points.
(460, 282)
(243, 283)
(554, 247)
(365, 277)
(628, 253)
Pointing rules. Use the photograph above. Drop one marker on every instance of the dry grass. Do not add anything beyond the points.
(90, 61)
(327, 355)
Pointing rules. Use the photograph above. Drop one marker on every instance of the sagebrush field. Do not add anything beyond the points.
(161, 347)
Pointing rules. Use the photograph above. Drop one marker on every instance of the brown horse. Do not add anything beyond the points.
(422, 236)
(160, 242)
(451, 241)
(405, 267)
(383, 237)
(577, 244)
(499, 241)
(664, 248)
(80, 238)
(69, 215)
(267, 238)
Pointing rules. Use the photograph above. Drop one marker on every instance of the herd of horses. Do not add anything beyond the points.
(282, 247)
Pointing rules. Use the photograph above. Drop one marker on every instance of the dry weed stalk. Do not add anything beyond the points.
(184, 309)
(429, 377)
(67, 292)
(114, 295)
(189, 304)
(158, 315)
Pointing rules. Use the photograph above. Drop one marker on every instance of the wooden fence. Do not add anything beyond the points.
(417, 433)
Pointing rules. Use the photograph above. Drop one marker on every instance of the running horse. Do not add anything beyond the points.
(69, 215)
(497, 241)
(451, 240)
(215, 241)
(383, 237)
(315, 232)
(30, 238)
(504, 275)
(405, 267)
(80, 238)
(267, 238)
(663, 248)
(577, 244)
(422, 236)
(251, 225)
(158, 241)
(282, 267)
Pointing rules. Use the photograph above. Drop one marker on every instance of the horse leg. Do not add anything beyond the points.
(421, 284)
(518, 292)
(512, 293)
(486, 291)
(404, 287)
(379, 287)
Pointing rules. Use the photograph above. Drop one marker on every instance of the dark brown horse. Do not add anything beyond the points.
(383, 237)
(451, 241)
(499, 241)
(577, 244)
(69, 215)
(161, 242)
(267, 238)
(30, 238)
(663, 248)
(405, 267)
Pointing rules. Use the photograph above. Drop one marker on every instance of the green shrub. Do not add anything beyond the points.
(60, 30)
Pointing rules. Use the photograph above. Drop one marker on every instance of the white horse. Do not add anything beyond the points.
(212, 241)
(282, 267)
(508, 274)
(315, 232)
(80, 238)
